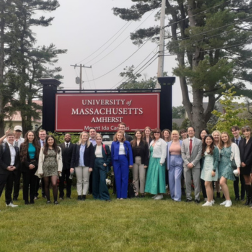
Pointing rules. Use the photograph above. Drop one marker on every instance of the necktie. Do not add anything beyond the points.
(190, 147)
(16, 144)
(236, 141)
(67, 145)
(42, 143)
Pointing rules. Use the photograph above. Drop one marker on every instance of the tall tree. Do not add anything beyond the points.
(29, 63)
(209, 39)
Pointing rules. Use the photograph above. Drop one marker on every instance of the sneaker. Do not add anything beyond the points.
(159, 197)
(207, 204)
(212, 201)
(228, 203)
(154, 196)
(11, 205)
(223, 203)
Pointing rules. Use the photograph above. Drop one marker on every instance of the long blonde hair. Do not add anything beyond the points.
(115, 136)
(80, 138)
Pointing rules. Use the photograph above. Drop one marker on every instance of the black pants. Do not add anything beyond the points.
(236, 187)
(29, 179)
(42, 187)
(90, 183)
(17, 176)
(65, 177)
(7, 181)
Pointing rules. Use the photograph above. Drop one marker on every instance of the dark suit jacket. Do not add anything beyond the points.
(128, 137)
(88, 156)
(67, 155)
(24, 166)
(143, 151)
(246, 151)
(5, 159)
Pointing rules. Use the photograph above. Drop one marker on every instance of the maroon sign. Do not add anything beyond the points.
(78, 112)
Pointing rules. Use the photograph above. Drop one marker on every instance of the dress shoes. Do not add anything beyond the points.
(27, 202)
(61, 198)
(208, 204)
(11, 205)
(56, 202)
(15, 199)
(197, 201)
(48, 202)
(228, 203)
(83, 197)
(188, 200)
(79, 197)
(237, 198)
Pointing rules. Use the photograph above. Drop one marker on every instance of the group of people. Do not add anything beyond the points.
(157, 159)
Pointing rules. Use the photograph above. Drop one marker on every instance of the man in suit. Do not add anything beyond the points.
(122, 127)
(9, 164)
(236, 139)
(67, 150)
(191, 154)
(42, 139)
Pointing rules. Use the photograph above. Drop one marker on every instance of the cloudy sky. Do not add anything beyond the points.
(95, 37)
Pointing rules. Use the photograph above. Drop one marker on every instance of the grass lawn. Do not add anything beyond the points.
(128, 225)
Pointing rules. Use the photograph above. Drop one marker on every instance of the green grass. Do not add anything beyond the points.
(128, 225)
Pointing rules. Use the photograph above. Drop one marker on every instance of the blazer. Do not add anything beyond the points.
(216, 159)
(106, 157)
(144, 152)
(24, 167)
(5, 159)
(128, 137)
(168, 152)
(42, 158)
(246, 151)
(195, 155)
(159, 150)
(115, 151)
(67, 155)
(88, 156)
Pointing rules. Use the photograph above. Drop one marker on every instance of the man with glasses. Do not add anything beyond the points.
(236, 139)
(191, 154)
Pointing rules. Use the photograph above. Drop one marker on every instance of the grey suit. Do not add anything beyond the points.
(194, 172)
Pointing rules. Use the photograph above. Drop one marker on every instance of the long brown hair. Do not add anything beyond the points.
(25, 145)
(229, 142)
(204, 145)
(46, 146)
(162, 134)
(134, 141)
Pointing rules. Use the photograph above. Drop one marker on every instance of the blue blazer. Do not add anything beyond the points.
(115, 151)
(168, 152)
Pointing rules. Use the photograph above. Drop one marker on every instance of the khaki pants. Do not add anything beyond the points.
(82, 176)
(139, 175)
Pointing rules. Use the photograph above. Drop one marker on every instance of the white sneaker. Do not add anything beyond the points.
(205, 199)
(228, 203)
(159, 197)
(154, 196)
(11, 205)
(207, 204)
(223, 203)
(212, 201)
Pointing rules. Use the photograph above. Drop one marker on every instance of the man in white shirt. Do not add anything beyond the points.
(9, 165)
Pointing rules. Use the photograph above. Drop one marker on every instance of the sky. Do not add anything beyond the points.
(95, 37)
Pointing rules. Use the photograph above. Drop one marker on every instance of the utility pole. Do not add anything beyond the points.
(81, 66)
(161, 44)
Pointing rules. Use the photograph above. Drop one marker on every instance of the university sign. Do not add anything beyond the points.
(78, 112)
(103, 109)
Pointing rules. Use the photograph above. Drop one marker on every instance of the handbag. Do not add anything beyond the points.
(233, 164)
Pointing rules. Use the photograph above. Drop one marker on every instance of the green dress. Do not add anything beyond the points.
(50, 165)
(225, 168)
(155, 181)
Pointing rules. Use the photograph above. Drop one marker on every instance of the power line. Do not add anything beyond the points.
(105, 42)
(124, 40)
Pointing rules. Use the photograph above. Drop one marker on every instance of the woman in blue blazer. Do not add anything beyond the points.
(122, 160)
(174, 165)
